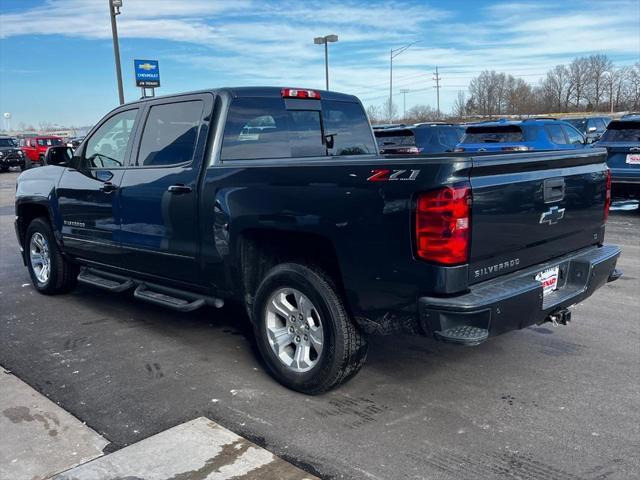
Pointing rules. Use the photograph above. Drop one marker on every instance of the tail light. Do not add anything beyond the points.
(298, 93)
(442, 225)
(607, 198)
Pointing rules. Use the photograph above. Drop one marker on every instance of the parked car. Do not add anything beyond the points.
(591, 127)
(10, 154)
(622, 141)
(323, 240)
(520, 136)
(419, 139)
(34, 148)
(74, 142)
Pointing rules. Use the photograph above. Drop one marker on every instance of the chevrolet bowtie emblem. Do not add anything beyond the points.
(146, 66)
(552, 216)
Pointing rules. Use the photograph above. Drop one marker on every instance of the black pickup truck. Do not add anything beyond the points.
(279, 199)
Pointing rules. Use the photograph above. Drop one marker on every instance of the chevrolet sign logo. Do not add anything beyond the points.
(146, 66)
(552, 216)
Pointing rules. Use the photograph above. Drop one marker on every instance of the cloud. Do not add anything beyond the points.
(270, 42)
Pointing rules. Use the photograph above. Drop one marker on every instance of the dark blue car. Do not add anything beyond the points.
(520, 136)
(622, 141)
(419, 139)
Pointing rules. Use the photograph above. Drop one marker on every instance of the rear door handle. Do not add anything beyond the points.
(108, 187)
(179, 189)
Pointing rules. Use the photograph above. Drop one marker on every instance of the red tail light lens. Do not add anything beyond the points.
(607, 198)
(442, 225)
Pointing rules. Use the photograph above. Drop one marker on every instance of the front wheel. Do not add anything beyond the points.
(303, 332)
(50, 272)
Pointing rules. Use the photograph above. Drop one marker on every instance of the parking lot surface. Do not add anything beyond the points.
(541, 403)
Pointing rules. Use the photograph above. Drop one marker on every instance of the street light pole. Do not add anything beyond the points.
(393, 54)
(404, 92)
(114, 9)
(325, 41)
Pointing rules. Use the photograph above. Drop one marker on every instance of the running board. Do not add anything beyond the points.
(463, 335)
(105, 280)
(179, 300)
(173, 298)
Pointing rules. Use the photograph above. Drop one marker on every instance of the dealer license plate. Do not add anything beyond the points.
(633, 158)
(549, 280)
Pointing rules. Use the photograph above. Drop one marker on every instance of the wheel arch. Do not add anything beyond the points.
(260, 249)
(28, 209)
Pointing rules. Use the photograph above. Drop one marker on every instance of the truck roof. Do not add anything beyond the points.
(238, 92)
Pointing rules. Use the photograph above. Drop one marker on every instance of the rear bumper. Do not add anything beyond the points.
(515, 301)
(625, 175)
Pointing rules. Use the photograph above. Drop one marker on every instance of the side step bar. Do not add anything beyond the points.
(105, 280)
(173, 298)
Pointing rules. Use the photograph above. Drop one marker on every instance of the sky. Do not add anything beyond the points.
(57, 66)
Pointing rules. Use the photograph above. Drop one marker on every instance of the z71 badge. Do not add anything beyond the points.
(385, 175)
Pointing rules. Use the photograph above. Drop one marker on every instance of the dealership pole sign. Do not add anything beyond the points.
(147, 75)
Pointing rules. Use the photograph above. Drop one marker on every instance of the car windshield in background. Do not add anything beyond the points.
(49, 142)
(581, 124)
(349, 126)
(493, 134)
(395, 138)
(7, 142)
(622, 132)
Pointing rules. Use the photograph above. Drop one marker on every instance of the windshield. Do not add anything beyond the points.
(580, 124)
(493, 134)
(622, 132)
(48, 142)
(7, 142)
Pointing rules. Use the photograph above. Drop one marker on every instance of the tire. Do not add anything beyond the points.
(41, 161)
(62, 274)
(26, 165)
(343, 348)
(4, 169)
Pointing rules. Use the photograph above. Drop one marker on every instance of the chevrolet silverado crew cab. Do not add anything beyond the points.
(279, 199)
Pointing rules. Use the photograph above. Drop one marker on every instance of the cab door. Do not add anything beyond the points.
(159, 190)
(88, 192)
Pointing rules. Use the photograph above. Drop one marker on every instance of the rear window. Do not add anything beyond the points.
(622, 132)
(493, 134)
(395, 138)
(264, 128)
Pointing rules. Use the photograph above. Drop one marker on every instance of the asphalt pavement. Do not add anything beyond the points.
(541, 403)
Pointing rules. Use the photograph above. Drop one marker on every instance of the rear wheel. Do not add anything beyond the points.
(26, 165)
(303, 331)
(4, 169)
(50, 272)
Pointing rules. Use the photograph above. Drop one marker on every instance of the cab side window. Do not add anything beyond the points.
(108, 145)
(170, 134)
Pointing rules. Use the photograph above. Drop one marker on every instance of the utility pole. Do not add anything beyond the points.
(404, 92)
(114, 9)
(437, 79)
(393, 54)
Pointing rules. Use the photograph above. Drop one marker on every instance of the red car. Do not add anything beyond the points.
(35, 147)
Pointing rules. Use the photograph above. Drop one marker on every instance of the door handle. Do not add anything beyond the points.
(179, 189)
(108, 187)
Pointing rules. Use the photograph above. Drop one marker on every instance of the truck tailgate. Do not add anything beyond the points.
(528, 209)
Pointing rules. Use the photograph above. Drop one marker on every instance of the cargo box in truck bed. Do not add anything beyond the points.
(278, 199)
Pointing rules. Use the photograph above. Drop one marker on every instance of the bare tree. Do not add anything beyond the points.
(599, 65)
(557, 87)
(373, 112)
(460, 105)
(421, 113)
(385, 111)
(578, 76)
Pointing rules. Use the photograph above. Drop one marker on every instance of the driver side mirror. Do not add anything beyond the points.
(60, 156)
